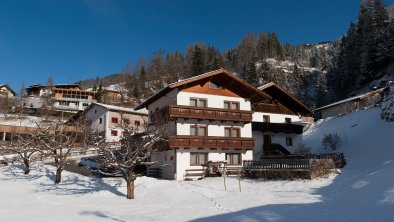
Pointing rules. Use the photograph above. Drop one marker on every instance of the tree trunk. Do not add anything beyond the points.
(130, 189)
(58, 175)
(27, 166)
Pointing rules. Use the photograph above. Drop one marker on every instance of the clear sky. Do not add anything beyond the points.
(72, 40)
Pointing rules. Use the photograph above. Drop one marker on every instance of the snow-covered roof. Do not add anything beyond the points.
(121, 109)
(350, 99)
(15, 120)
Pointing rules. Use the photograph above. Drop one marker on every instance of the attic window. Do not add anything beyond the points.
(213, 85)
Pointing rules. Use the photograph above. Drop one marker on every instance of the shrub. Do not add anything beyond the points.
(331, 141)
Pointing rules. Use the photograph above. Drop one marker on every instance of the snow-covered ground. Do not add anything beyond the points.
(364, 191)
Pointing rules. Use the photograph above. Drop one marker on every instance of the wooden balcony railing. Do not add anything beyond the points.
(211, 114)
(271, 108)
(211, 142)
(277, 127)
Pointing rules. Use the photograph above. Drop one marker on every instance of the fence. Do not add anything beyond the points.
(294, 166)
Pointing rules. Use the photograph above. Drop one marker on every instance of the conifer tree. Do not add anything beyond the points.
(197, 61)
(261, 47)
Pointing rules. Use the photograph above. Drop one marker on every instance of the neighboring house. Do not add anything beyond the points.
(10, 124)
(208, 118)
(350, 104)
(110, 96)
(6, 92)
(278, 122)
(63, 97)
(112, 120)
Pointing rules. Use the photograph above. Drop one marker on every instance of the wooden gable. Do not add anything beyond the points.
(202, 87)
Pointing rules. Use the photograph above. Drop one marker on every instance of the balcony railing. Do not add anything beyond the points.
(271, 108)
(211, 114)
(211, 142)
(277, 127)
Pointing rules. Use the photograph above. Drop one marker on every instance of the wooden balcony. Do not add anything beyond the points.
(271, 108)
(211, 142)
(277, 127)
(211, 114)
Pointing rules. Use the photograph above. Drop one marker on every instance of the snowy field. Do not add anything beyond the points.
(364, 191)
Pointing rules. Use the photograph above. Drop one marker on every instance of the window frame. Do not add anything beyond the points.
(197, 99)
(198, 161)
(114, 132)
(266, 117)
(197, 128)
(231, 161)
(289, 141)
(230, 103)
(231, 129)
(115, 120)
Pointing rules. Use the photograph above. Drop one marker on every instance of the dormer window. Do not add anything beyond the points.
(213, 85)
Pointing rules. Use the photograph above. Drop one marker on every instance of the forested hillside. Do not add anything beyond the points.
(315, 73)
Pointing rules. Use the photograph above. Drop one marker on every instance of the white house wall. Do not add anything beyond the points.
(276, 118)
(278, 138)
(166, 162)
(168, 99)
(213, 101)
(94, 115)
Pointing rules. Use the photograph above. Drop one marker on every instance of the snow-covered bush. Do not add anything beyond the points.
(332, 141)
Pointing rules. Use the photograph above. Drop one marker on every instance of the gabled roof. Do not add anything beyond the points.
(255, 95)
(361, 96)
(117, 109)
(283, 96)
(8, 88)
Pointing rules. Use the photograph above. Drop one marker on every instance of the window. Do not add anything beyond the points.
(202, 103)
(233, 158)
(198, 158)
(198, 130)
(266, 118)
(87, 104)
(193, 102)
(288, 120)
(137, 123)
(126, 121)
(114, 133)
(114, 120)
(198, 102)
(231, 105)
(100, 120)
(232, 132)
(95, 111)
(289, 141)
(213, 85)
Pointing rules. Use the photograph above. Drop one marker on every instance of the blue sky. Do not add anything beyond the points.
(72, 40)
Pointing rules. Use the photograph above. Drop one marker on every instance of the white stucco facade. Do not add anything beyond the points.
(174, 163)
(101, 121)
(276, 118)
(276, 138)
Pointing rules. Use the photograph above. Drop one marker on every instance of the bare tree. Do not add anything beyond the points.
(23, 148)
(59, 140)
(135, 151)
